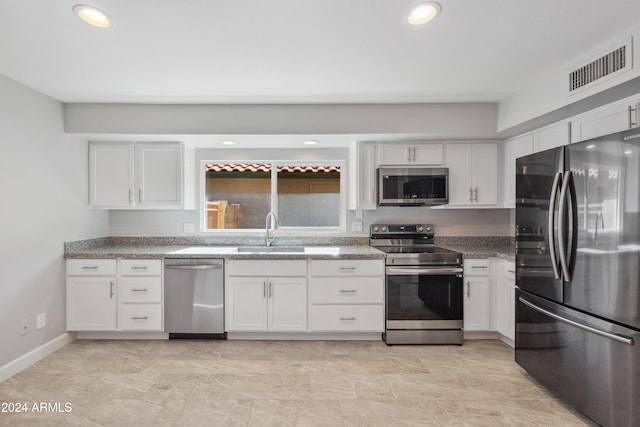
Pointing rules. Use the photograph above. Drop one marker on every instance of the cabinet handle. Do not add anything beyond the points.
(142, 267)
(475, 197)
(139, 290)
(270, 290)
(348, 291)
(511, 271)
(413, 150)
(348, 318)
(139, 318)
(483, 267)
(130, 195)
(470, 194)
(89, 267)
(140, 195)
(111, 289)
(633, 124)
(264, 289)
(348, 268)
(468, 289)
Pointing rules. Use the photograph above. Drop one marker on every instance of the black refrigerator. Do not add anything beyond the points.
(578, 274)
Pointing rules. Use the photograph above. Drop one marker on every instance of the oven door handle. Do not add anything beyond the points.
(424, 270)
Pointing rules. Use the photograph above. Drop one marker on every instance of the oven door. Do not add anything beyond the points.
(424, 298)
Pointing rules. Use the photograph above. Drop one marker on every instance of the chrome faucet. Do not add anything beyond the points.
(270, 220)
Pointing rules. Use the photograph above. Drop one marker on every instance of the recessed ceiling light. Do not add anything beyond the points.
(92, 16)
(627, 152)
(229, 142)
(591, 146)
(423, 13)
(310, 142)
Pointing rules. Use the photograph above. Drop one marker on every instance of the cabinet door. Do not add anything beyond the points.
(247, 304)
(287, 303)
(459, 163)
(110, 175)
(603, 121)
(514, 149)
(410, 154)
(159, 175)
(551, 137)
(362, 176)
(485, 174)
(477, 292)
(91, 304)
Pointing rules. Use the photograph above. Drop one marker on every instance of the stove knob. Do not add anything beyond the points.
(385, 228)
(375, 228)
(420, 228)
(428, 229)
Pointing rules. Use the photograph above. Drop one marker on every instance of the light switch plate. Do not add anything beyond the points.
(187, 227)
(356, 226)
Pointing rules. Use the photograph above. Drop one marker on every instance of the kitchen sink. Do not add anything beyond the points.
(271, 249)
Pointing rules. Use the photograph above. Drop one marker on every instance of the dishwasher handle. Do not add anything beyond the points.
(194, 267)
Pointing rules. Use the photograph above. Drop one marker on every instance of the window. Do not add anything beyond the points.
(302, 195)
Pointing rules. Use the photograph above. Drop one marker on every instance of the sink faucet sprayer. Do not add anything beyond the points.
(271, 220)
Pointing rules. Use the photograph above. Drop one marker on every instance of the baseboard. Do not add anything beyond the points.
(26, 360)
(308, 336)
(97, 335)
(481, 335)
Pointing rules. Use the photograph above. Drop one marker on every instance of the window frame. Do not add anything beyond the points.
(283, 230)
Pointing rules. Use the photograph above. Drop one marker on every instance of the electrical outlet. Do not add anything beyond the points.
(356, 226)
(187, 227)
(24, 327)
(41, 320)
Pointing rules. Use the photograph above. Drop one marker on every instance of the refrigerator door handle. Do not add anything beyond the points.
(561, 218)
(615, 337)
(552, 210)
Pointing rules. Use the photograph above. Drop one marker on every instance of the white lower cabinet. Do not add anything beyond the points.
(347, 295)
(505, 301)
(477, 295)
(114, 295)
(266, 295)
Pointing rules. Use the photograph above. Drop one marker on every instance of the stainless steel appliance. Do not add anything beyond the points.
(194, 298)
(424, 285)
(412, 186)
(578, 274)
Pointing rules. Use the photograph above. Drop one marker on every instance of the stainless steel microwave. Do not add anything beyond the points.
(413, 186)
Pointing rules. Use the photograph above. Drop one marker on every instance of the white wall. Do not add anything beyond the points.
(44, 204)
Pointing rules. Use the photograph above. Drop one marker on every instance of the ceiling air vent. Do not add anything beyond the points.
(613, 62)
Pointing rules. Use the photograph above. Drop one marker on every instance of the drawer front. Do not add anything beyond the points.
(140, 267)
(348, 318)
(265, 268)
(91, 267)
(141, 317)
(347, 290)
(476, 267)
(347, 267)
(140, 289)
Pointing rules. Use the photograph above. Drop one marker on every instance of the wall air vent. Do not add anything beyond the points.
(614, 62)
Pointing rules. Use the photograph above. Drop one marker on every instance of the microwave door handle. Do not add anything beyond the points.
(561, 232)
(552, 212)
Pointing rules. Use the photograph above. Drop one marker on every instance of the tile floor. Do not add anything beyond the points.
(280, 383)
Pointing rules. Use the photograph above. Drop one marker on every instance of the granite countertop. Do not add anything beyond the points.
(480, 247)
(179, 248)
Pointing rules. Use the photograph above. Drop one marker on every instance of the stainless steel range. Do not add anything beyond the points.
(424, 286)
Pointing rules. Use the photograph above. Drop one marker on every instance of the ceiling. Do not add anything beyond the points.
(298, 51)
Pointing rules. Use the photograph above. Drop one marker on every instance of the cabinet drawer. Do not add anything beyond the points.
(365, 318)
(476, 267)
(347, 267)
(141, 317)
(266, 268)
(140, 267)
(140, 289)
(91, 267)
(348, 290)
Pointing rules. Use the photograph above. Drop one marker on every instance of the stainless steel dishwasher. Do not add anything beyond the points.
(194, 298)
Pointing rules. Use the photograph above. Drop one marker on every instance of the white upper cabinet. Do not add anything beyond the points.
(143, 175)
(551, 137)
(410, 154)
(611, 118)
(473, 174)
(362, 176)
(513, 149)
